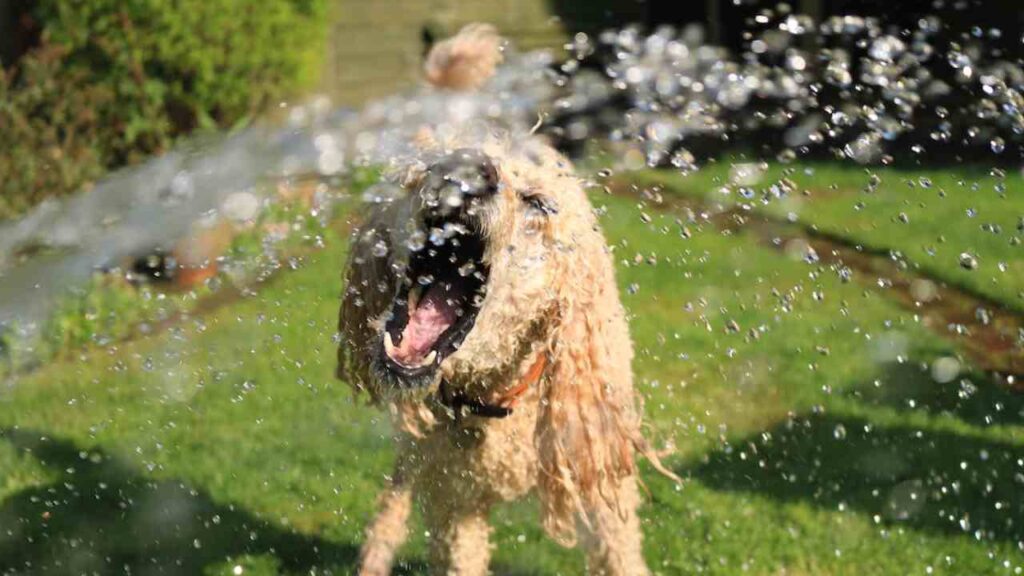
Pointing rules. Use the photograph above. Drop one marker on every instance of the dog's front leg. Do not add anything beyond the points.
(389, 528)
(459, 537)
(612, 537)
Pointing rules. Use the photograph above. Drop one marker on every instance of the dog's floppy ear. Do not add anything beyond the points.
(370, 284)
(588, 425)
(369, 287)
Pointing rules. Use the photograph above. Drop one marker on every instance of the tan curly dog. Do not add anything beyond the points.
(481, 307)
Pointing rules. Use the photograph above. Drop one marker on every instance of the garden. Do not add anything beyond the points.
(827, 310)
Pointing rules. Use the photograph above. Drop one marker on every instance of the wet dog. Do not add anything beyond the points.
(481, 307)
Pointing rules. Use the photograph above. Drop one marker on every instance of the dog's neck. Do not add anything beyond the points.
(502, 406)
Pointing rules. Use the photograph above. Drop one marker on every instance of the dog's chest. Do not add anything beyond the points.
(495, 457)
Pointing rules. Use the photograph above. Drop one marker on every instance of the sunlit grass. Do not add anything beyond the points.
(930, 217)
(801, 409)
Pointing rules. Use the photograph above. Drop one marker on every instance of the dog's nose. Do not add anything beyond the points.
(457, 178)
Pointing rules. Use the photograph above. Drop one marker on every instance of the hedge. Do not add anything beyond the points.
(112, 81)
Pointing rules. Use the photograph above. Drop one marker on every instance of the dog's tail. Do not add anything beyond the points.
(465, 61)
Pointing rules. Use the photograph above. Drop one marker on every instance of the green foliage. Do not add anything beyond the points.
(116, 80)
(51, 130)
(175, 66)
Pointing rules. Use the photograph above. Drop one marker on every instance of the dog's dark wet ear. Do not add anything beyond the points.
(369, 286)
(588, 425)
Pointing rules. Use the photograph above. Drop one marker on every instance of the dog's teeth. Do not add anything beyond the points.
(429, 359)
(414, 298)
(389, 345)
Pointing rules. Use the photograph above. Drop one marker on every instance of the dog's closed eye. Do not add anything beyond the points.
(539, 204)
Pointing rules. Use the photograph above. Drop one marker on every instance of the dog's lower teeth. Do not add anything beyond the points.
(389, 345)
(389, 349)
(414, 298)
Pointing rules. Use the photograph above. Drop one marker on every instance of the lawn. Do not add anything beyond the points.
(819, 429)
(930, 219)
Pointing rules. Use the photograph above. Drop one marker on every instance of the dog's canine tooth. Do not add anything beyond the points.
(389, 345)
(414, 298)
(429, 359)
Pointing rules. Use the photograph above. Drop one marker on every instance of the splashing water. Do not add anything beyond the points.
(849, 86)
(150, 207)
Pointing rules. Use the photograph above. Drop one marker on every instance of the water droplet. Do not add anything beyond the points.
(945, 369)
(416, 241)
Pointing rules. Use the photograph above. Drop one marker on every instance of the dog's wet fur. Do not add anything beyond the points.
(486, 276)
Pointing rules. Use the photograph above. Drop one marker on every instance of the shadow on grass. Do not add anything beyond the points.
(971, 397)
(897, 474)
(101, 516)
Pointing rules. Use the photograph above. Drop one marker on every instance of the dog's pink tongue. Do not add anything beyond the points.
(432, 317)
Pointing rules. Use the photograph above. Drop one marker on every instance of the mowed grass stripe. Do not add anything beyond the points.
(931, 217)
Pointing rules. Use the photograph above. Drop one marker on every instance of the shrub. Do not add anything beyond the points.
(49, 126)
(115, 80)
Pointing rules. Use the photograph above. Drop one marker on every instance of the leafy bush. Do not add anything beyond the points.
(115, 80)
(50, 129)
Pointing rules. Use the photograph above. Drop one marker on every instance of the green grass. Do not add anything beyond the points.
(929, 217)
(110, 308)
(810, 435)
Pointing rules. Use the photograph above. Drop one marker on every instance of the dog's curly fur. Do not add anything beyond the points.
(465, 61)
(551, 294)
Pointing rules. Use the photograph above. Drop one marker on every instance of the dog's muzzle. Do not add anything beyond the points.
(444, 285)
(455, 184)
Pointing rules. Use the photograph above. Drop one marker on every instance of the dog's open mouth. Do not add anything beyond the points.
(436, 306)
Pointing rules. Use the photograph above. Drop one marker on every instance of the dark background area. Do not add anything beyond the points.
(724, 19)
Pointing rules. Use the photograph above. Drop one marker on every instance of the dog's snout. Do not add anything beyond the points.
(456, 179)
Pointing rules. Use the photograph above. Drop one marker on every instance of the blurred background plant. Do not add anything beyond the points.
(105, 83)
